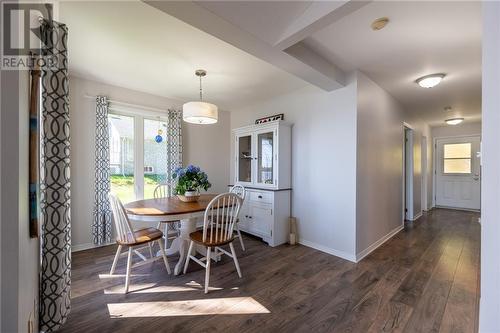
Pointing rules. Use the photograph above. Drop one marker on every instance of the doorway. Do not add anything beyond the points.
(408, 173)
(458, 173)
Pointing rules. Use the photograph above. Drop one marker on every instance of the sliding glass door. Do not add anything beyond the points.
(122, 156)
(155, 155)
(137, 165)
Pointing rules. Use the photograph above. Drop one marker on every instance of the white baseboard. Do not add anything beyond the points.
(337, 253)
(87, 246)
(381, 241)
(416, 217)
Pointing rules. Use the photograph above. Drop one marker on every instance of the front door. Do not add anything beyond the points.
(458, 173)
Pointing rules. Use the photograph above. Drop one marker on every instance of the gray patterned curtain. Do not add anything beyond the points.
(55, 276)
(101, 226)
(174, 143)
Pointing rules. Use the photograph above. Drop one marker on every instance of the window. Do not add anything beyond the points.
(155, 155)
(136, 166)
(457, 158)
(121, 153)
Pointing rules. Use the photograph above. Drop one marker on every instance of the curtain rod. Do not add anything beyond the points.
(137, 106)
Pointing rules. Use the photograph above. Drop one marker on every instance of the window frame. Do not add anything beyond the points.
(444, 159)
(138, 114)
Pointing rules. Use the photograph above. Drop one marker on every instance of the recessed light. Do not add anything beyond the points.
(447, 108)
(454, 121)
(380, 23)
(430, 81)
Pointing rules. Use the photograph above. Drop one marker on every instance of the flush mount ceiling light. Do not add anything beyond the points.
(200, 112)
(380, 23)
(454, 121)
(430, 81)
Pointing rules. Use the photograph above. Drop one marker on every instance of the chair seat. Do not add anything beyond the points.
(197, 237)
(141, 236)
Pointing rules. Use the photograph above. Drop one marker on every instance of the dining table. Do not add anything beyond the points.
(170, 210)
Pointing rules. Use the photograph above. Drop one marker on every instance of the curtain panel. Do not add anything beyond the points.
(55, 195)
(102, 223)
(174, 143)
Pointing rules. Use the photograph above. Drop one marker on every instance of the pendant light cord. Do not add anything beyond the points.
(201, 91)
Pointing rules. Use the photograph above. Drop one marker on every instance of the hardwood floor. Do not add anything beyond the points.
(424, 279)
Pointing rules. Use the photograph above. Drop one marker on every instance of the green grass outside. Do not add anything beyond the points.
(123, 186)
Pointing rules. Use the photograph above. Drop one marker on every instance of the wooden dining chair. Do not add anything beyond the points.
(241, 192)
(218, 226)
(126, 236)
(169, 231)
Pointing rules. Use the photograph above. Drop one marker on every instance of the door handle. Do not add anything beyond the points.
(475, 178)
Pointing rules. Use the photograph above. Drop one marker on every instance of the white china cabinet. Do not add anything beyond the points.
(262, 163)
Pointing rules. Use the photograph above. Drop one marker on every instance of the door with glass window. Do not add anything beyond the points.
(458, 173)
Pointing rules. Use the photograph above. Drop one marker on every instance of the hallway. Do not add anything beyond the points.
(424, 279)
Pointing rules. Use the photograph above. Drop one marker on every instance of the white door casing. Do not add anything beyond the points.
(457, 185)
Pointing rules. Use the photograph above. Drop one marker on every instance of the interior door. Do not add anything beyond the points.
(458, 173)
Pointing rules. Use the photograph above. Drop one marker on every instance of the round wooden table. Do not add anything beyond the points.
(169, 210)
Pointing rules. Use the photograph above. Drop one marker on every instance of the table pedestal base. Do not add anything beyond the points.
(181, 245)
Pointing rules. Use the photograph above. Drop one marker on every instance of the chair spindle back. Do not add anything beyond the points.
(162, 191)
(220, 216)
(239, 190)
(124, 231)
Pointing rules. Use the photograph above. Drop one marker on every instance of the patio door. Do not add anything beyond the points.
(138, 154)
(458, 173)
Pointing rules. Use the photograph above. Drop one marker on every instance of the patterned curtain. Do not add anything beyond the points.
(174, 143)
(55, 276)
(101, 227)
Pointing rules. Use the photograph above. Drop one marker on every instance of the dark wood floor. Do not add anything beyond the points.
(425, 279)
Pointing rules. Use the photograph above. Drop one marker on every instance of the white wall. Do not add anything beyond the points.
(458, 130)
(417, 174)
(346, 163)
(207, 147)
(489, 316)
(323, 162)
(19, 271)
(380, 134)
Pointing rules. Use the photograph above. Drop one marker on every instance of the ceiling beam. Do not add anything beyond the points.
(298, 60)
(317, 16)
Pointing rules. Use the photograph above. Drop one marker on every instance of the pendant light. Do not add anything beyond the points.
(200, 112)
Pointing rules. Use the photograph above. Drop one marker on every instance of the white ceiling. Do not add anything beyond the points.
(316, 41)
(421, 38)
(132, 45)
(328, 39)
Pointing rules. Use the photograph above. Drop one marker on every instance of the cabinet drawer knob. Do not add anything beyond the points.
(260, 197)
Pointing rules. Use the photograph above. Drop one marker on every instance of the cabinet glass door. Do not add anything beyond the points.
(245, 159)
(265, 160)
